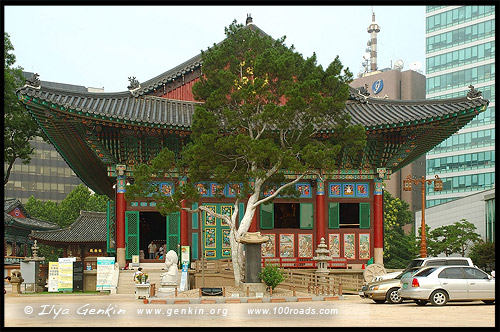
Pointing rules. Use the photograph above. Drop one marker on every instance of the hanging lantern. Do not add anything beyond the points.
(438, 184)
(407, 183)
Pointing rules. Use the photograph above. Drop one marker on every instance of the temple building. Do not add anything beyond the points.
(103, 136)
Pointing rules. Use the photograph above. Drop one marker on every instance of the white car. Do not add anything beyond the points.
(440, 284)
(427, 261)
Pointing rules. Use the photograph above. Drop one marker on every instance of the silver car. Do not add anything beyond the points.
(440, 284)
(386, 290)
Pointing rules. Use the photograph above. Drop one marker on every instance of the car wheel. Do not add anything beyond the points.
(379, 301)
(421, 302)
(393, 296)
(489, 301)
(439, 298)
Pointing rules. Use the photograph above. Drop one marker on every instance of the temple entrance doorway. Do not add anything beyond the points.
(152, 227)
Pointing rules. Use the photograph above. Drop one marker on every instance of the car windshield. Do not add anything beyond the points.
(414, 263)
(407, 273)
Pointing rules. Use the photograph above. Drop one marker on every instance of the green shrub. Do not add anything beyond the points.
(272, 275)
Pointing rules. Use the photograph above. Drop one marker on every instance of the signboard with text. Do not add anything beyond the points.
(53, 277)
(65, 274)
(105, 269)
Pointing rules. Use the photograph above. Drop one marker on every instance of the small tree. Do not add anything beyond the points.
(451, 239)
(483, 255)
(399, 248)
(272, 275)
(66, 212)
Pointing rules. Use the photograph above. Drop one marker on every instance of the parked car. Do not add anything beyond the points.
(386, 290)
(440, 284)
(428, 261)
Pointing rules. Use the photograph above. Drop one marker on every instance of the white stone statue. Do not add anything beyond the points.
(170, 277)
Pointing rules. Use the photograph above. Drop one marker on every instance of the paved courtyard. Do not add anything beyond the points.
(123, 310)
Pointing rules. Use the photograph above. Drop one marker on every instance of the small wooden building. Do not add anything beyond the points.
(85, 237)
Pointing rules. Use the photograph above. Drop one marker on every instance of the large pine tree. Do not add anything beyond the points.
(263, 106)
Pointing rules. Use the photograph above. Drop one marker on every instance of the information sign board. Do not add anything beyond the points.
(65, 274)
(53, 277)
(105, 269)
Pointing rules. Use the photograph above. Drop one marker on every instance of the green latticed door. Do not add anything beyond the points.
(173, 231)
(215, 241)
(111, 228)
(131, 233)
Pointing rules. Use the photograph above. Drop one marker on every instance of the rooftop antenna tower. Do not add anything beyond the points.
(373, 29)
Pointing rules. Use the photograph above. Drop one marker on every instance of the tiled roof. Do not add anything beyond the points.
(123, 107)
(88, 227)
(28, 223)
(11, 203)
(376, 112)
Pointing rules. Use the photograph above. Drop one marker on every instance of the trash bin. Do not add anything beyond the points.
(152, 290)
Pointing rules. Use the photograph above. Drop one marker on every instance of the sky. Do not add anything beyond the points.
(101, 46)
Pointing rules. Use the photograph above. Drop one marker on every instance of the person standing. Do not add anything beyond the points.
(152, 250)
(137, 274)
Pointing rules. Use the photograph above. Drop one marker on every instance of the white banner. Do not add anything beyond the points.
(184, 275)
(53, 276)
(105, 268)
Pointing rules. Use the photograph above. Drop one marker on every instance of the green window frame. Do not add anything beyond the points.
(333, 215)
(364, 215)
(267, 216)
(306, 216)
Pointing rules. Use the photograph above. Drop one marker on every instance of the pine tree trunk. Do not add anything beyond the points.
(236, 234)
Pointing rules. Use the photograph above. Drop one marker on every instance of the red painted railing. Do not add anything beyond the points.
(303, 262)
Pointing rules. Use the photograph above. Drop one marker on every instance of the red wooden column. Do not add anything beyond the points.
(120, 220)
(253, 225)
(184, 217)
(184, 225)
(378, 222)
(320, 212)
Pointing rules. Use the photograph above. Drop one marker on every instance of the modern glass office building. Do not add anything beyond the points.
(460, 51)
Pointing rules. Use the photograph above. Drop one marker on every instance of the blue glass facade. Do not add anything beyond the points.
(460, 51)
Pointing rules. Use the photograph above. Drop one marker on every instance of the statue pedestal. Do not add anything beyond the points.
(166, 290)
(142, 291)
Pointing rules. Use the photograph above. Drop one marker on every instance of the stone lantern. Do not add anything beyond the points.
(253, 242)
(30, 269)
(322, 257)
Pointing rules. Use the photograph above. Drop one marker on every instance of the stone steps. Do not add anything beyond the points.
(126, 280)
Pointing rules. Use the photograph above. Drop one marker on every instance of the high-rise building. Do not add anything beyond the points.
(48, 176)
(460, 51)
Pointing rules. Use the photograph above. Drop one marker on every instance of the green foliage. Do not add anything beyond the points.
(483, 255)
(272, 275)
(65, 213)
(245, 129)
(399, 247)
(50, 253)
(452, 239)
(19, 127)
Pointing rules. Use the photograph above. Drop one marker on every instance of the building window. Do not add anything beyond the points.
(348, 215)
(286, 215)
